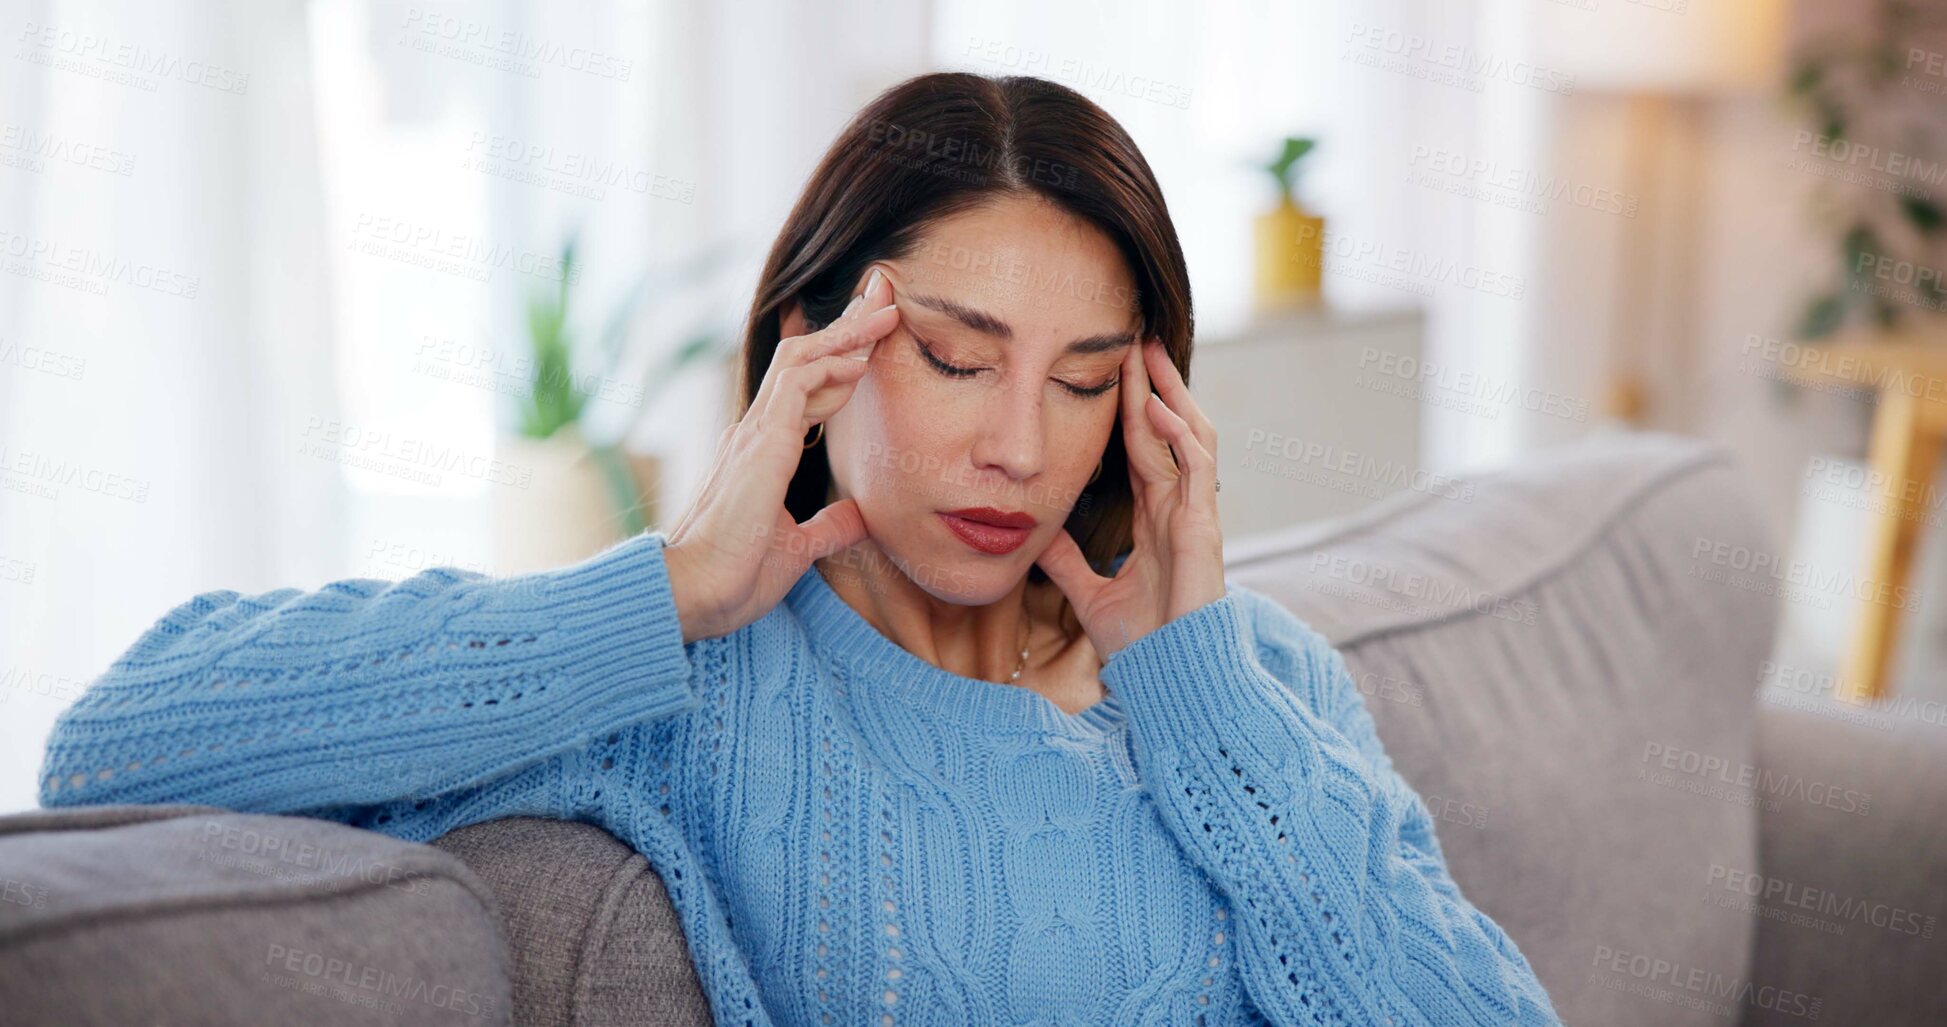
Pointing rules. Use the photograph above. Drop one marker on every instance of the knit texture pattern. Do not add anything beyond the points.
(850, 834)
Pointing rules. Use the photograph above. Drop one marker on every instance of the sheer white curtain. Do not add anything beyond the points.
(164, 295)
(759, 88)
(195, 397)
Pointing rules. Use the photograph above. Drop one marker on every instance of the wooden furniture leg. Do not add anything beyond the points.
(1905, 451)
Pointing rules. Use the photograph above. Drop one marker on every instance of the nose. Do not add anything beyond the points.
(1010, 436)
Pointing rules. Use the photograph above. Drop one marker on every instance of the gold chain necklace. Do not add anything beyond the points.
(1027, 627)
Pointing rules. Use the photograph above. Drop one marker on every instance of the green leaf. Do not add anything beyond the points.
(1822, 316)
(555, 399)
(1860, 241)
(1284, 167)
(1806, 76)
(1885, 64)
(1923, 212)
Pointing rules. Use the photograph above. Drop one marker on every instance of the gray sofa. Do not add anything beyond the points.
(1555, 657)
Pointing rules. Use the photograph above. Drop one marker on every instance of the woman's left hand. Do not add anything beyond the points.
(1177, 563)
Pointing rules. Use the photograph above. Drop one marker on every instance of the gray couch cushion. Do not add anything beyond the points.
(176, 915)
(1549, 670)
(1849, 893)
(594, 938)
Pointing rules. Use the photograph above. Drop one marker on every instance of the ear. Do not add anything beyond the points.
(791, 321)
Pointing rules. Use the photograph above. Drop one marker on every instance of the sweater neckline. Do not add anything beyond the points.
(842, 631)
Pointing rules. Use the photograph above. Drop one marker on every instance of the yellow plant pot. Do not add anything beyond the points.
(1290, 256)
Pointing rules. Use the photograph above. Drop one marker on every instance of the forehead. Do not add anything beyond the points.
(1029, 263)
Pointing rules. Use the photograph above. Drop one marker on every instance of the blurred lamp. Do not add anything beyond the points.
(1663, 46)
(1665, 60)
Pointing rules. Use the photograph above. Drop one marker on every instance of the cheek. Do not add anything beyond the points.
(1088, 426)
(897, 434)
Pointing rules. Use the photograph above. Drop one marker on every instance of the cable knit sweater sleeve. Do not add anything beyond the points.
(1249, 732)
(366, 693)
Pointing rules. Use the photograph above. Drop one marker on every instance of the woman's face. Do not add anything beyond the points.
(998, 389)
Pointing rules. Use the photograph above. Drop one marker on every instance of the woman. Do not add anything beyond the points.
(935, 707)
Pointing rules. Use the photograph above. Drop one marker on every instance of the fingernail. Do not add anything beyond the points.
(872, 281)
(854, 305)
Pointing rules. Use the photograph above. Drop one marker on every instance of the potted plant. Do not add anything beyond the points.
(579, 489)
(1290, 239)
(1862, 102)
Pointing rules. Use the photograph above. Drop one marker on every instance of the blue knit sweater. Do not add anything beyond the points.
(850, 834)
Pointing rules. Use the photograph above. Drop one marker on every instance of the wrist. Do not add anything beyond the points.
(676, 566)
(694, 612)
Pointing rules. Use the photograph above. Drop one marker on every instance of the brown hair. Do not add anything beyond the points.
(936, 145)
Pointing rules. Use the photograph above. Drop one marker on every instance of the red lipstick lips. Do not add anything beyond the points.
(988, 530)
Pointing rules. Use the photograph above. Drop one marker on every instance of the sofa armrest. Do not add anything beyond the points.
(178, 914)
(1850, 893)
(592, 935)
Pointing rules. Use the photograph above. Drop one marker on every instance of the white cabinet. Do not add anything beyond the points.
(1317, 414)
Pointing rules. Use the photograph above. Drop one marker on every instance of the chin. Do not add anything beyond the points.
(951, 571)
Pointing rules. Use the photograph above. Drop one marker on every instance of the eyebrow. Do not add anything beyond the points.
(987, 324)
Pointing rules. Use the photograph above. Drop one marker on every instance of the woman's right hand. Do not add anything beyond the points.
(737, 551)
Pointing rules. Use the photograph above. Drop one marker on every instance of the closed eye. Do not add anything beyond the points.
(1092, 390)
(950, 370)
(956, 371)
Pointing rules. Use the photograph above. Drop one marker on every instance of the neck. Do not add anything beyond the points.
(981, 641)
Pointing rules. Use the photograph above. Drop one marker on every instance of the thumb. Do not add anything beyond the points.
(1069, 569)
(836, 527)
